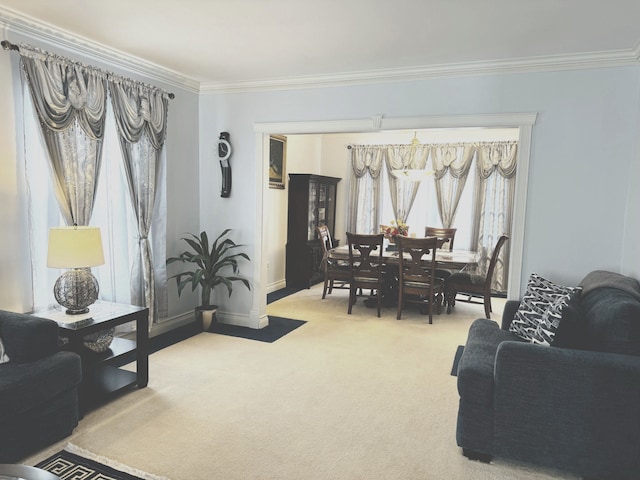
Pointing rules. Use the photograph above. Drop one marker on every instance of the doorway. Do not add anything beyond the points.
(522, 122)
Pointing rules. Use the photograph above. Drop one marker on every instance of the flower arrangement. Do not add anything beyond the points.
(397, 228)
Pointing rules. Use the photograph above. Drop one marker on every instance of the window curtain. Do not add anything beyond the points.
(363, 213)
(496, 166)
(403, 192)
(141, 117)
(451, 165)
(70, 102)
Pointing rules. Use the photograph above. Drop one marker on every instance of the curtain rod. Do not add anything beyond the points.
(7, 45)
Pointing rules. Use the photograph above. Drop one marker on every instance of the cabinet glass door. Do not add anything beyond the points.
(331, 207)
(322, 204)
(312, 214)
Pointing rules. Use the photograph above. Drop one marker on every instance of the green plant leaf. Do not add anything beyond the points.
(209, 264)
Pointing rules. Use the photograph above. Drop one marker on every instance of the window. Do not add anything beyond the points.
(112, 213)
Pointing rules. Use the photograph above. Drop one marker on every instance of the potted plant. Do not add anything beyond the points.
(210, 264)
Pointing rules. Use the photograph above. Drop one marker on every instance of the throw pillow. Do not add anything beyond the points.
(4, 358)
(540, 310)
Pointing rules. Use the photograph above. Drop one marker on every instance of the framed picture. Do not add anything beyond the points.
(277, 161)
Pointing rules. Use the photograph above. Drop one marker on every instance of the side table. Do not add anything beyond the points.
(101, 375)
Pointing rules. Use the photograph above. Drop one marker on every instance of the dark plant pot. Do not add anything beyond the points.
(206, 317)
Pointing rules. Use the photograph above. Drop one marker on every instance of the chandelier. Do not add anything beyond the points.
(412, 174)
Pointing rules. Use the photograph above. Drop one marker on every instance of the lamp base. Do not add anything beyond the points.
(76, 312)
(75, 290)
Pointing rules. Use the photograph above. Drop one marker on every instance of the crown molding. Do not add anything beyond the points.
(609, 59)
(13, 22)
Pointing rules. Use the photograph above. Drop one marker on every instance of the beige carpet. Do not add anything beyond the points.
(343, 397)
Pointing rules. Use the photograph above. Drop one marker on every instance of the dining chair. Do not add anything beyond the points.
(447, 234)
(337, 273)
(366, 264)
(418, 282)
(474, 285)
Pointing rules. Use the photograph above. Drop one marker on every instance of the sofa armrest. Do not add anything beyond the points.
(560, 406)
(510, 309)
(27, 338)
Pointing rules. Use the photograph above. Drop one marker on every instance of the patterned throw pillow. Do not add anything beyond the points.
(4, 358)
(540, 310)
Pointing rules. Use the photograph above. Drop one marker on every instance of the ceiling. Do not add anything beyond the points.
(226, 42)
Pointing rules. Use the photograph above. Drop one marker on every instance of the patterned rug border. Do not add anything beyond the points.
(83, 454)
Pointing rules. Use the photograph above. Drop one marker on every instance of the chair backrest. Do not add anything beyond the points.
(494, 258)
(414, 255)
(325, 238)
(365, 254)
(444, 233)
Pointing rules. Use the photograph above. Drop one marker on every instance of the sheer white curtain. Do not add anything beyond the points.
(403, 192)
(451, 165)
(113, 215)
(497, 163)
(363, 215)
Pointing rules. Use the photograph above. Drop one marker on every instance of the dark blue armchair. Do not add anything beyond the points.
(38, 386)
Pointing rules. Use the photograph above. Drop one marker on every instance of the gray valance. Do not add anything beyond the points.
(497, 157)
(139, 109)
(64, 91)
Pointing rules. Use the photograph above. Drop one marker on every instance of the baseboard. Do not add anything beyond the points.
(171, 324)
(272, 287)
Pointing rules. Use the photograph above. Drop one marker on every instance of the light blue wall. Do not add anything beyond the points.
(583, 196)
(584, 153)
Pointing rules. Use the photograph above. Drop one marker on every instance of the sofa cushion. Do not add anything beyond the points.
(540, 310)
(612, 321)
(28, 338)
(571, 332)
(602, 278)
(24, 386)
(475, 370)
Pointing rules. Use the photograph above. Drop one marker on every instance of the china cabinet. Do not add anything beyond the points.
(312, 202)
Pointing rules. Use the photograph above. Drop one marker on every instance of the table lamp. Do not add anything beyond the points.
(78, 249)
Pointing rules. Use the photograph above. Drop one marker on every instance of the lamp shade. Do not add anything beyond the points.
(75, 247)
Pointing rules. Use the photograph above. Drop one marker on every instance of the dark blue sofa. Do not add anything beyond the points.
(574, 405)
(38, 386)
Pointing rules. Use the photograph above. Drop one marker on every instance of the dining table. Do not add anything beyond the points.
(449, 259)
(452, 260)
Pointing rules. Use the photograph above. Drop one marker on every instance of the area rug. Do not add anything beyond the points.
(76, 463)
(278, 327)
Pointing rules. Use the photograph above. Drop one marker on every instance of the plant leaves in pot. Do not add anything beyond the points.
(210, 267)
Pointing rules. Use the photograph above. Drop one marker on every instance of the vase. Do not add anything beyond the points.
(99, 342)
(207, 317)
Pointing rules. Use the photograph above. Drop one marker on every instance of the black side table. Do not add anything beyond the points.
(101, 375)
